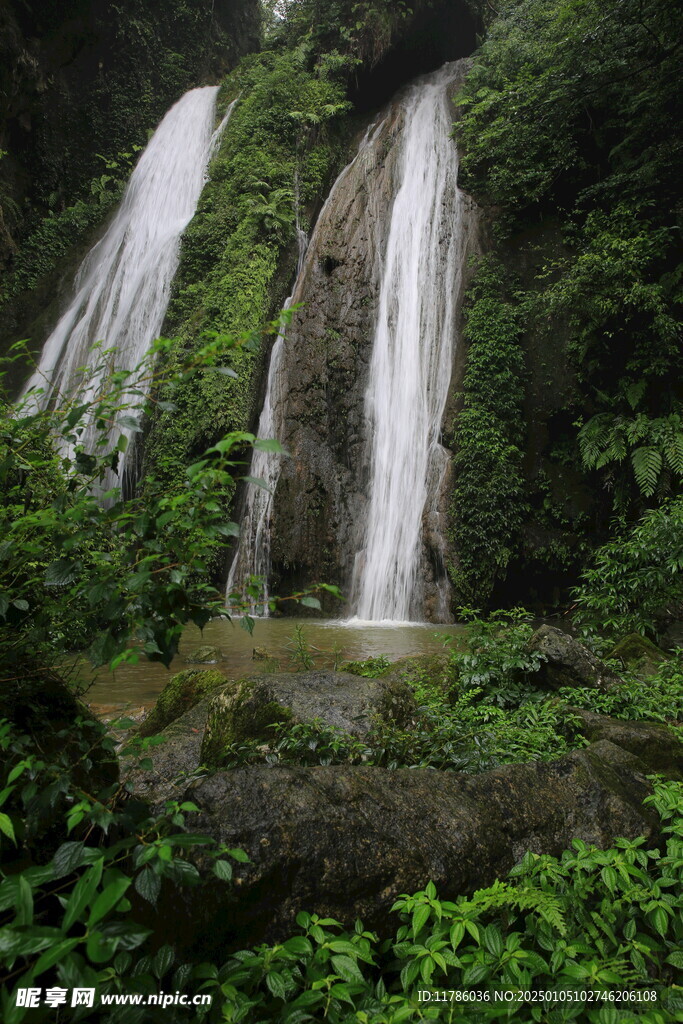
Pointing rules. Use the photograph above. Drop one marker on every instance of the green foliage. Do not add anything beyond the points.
(489, 716)
(636, 580)
(654, 446)
(275, 158)
(66, 903)
(488, 503)
(359, 29)
(597, 920)
(130, 573)
(496, 656)
(660, 699)
(567, 114)
(610, 108)
(370, 668)
(463, 735)
(132, 566)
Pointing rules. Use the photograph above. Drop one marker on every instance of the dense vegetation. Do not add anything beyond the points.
(567, 139)
(568, 130)
(82, 82)
(276, 157)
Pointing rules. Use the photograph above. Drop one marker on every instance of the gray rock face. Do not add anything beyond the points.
(568, 662)
(246, 708)
(322, 492)
(654, 744)
(172, 760)
(346, 842)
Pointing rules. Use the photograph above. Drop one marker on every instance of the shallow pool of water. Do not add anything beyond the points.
(327, 642)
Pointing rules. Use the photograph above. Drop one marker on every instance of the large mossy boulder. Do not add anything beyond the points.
(639, 654)
(173, 756)
(346, 841)
(248, 708)
(656, 745)
(178, 696)
(566, 662)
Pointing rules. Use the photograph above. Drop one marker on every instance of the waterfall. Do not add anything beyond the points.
(412, 356)
(252, 558)
(122, 289)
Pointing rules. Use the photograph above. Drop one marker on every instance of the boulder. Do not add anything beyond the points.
(346, 841)
(422, 668)
(204, 656)
(656, 745)
(566, 662)
(178, 696)
(246, 708)
(175, 755)
(639, 654)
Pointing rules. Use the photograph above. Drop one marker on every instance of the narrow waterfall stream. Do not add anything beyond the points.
(412, 356)
(252, 558)
(122, 289)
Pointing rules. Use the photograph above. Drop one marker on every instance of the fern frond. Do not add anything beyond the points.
(647, 465)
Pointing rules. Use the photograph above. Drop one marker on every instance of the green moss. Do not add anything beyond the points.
(277, 155)
(639, 654)
(489, 501)
(240, 714)
(178, 696)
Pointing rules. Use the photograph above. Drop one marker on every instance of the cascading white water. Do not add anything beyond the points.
(123, 286)
(412, 356)
(252, 558)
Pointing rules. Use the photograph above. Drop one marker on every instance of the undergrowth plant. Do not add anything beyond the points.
(131, 571)
(635, 581)
(72, 864)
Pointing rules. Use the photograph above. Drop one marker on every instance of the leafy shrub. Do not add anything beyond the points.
(488, 503)
(496, 657)
(131, 572)
(565, 131)
(636, 580)
(370, 668)
(65, 903)
(659, 699)
(469, 735)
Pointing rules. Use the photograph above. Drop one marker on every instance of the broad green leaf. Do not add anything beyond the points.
(107, 899)
(82, 894)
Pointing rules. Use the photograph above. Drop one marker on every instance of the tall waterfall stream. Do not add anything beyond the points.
(122, 289)
(412, 356)
(418, 274)
(253, 555)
